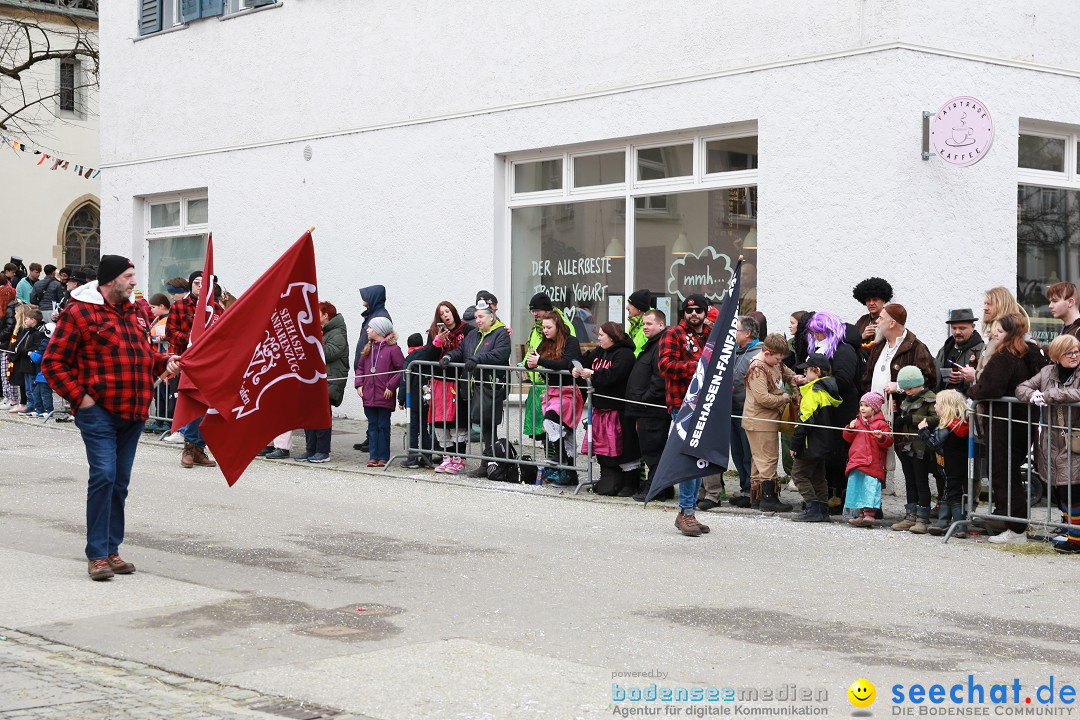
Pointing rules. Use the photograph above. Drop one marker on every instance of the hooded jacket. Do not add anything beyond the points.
(819, 400)
(635, 330)
(375, 297)
(379, 373)
(99, 349)
(867, 452)
(611, 370)
(336, 349)
(645, 383)
(1059, 466)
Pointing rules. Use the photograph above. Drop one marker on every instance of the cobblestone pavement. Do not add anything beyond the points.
(43, 679)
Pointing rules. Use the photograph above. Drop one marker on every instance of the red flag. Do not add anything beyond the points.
(261, 366)
(189, 403)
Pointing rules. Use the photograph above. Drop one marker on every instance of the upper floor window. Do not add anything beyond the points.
(158, 15)
(68, 72)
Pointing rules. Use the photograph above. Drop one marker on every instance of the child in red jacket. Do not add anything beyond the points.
(870, 436)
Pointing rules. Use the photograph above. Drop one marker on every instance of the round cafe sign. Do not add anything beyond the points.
(962, 131)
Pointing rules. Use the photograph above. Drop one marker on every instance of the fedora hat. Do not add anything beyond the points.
(960, 315)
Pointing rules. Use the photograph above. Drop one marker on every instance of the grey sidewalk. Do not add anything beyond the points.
(43, 679)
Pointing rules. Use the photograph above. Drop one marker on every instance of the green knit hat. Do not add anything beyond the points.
(910, 377)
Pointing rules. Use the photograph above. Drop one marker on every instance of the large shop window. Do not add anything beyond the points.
(1047, 221)
(670, 216)
(176, 235)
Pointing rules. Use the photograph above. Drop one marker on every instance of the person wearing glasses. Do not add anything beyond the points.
(1059, 465)
(680, 350)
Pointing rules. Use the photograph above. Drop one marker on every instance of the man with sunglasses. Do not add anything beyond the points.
(680, 350)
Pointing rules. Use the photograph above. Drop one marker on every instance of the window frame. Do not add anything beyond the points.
(628, 190)
(1070, 177)
(184, 228)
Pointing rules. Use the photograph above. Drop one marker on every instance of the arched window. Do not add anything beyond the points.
(82, 238)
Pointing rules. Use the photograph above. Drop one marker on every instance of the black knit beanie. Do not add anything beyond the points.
(112, 267)
(642, 300)
(541, 301)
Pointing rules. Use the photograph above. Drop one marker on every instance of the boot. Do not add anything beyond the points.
(608, 484)
(200, 458)
(688, 525)
(187, 458)
(957, 511)
(769, 500)
(815, 512)
(943, 518)
(908, 521)
(629, 482)
(922, 521)
(865, 518)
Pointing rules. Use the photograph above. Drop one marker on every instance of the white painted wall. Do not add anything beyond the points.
(843, 190)
(36, 200)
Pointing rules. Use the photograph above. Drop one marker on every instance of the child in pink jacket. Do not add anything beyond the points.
(870, 436)
(377, 379)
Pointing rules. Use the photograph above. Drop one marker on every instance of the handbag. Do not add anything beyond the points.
(443, 404)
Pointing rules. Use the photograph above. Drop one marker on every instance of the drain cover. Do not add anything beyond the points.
(296, 709)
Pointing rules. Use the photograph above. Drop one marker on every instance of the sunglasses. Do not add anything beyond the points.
(696, 311)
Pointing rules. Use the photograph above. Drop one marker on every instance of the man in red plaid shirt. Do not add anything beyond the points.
(99, 359)
(178, 332)
(680, 350)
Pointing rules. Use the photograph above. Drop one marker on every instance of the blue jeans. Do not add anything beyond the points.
(378, 432)
(740, 452)
(110, 449)
(42, 397)
(192, 434)
(688, 489)
(31, 392)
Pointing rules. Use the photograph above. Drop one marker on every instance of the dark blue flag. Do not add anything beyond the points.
(698, 442)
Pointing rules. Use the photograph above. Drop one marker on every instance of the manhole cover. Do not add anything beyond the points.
(296, 709)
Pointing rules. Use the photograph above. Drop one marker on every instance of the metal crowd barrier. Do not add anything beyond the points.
(1019, 441)
(497, 398)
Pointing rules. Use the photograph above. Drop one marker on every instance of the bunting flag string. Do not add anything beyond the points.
(57, 163)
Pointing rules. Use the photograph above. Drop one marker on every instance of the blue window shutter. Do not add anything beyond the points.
(189, 10)
(212, 7)
(149, 16)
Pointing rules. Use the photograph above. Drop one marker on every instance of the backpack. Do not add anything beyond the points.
(502, 471)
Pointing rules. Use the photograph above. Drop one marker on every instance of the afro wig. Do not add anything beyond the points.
(872, 287)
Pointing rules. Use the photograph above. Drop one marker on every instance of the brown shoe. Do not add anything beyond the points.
(688, 525)
(99, 569)
(119, 565)
(187, 459)
(202, 460)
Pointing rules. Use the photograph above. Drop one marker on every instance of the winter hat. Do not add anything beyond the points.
(873, 399)
(487, 297)
(112, 267)
(695, 301)
(192, 276)
(910, 377)
(416, 340)
(541, 301)
(642, 299)
(381, 325)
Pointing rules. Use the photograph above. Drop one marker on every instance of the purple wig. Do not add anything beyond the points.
(832, 326)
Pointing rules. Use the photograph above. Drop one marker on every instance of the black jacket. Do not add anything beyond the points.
(966, 354)
(646, 384)
(571, 352)
(7, 325)
(611, 369)
(28, 341)
(1000, 376)
(815, 443)
(847, 372)
(47, 290)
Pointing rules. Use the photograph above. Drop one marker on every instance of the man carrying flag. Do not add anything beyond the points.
(698, 442)
(260, 370)
(183, 327)
(100, 361)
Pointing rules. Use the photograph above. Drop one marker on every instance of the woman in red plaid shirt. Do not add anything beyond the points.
(100, 360)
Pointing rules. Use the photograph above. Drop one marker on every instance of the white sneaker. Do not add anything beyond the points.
(1008, 538)
(176, 438)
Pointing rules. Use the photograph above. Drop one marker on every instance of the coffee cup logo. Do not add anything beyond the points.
(962, 131)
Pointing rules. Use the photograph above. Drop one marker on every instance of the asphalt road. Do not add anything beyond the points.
(393, 597)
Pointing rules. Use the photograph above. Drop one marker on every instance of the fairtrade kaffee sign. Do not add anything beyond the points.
(962, 130)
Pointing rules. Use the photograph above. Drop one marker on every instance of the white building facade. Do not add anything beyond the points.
(52, 209)
(501, 147)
